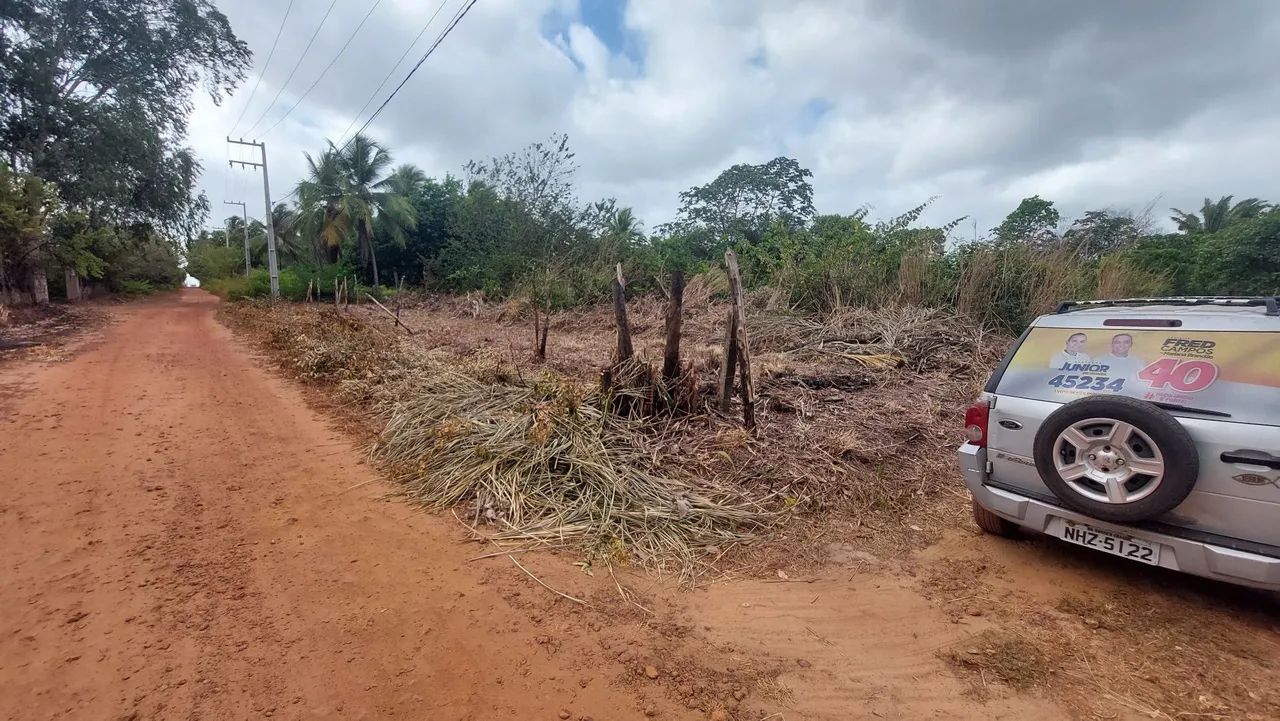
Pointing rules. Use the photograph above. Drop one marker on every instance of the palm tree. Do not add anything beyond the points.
(284, 223)
(1215, 216)
(319, 203)
(368, 200)
(348, 191)
(406, 180)
(624, 227)
(621, 229)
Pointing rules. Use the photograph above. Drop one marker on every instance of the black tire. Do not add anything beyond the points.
(991, 523)
(1181, 461)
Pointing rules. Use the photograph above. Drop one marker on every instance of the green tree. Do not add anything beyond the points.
(319, 205)
(1100, 232)
(26, 202)
(435, 204)
(1217, 215)
(743, 200)
(617, 230)
(1244, 258)
(349, 192)
(1175, 256)
(97, 93)
(208, 259)
(536, 223)
(1034, 220)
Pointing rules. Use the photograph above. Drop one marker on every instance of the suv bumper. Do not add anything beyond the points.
(1180, 554)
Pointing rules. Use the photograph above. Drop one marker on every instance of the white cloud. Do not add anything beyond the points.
(1092, 105)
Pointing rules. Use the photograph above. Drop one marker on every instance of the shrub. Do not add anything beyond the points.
(208, 261)
(137, 287)
(256, 285)
(292, 286)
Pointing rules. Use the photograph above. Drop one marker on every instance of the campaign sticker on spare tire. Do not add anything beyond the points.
(1231, 372)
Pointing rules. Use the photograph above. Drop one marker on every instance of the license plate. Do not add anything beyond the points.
(1091, 537)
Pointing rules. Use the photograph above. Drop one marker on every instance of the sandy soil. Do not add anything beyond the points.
(186, 539)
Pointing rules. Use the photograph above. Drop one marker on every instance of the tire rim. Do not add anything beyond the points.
(1108, 461)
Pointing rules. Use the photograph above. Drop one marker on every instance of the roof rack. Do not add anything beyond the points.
(1269, 301)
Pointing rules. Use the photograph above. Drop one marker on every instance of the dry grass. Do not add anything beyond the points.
(1169, 658)
(527, 453)
(545, 462)
(857, 412)
(999, 656)
(1189, 649)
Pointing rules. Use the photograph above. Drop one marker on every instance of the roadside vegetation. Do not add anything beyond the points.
(512, 228)
(94, 177)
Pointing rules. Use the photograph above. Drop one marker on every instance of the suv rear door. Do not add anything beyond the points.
(1231, 376)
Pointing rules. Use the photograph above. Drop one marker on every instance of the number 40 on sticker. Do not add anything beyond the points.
(1187, 376)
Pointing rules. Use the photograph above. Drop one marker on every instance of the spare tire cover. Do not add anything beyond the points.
(1116, 458)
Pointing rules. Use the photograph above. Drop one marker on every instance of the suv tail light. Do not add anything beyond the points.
(975, 422)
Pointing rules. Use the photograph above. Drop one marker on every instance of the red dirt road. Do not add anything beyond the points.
(184, 539)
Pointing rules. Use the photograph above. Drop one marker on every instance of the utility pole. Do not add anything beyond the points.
(245, 212)
(272, 268)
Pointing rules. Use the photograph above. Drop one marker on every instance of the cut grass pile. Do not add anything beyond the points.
(535, 461)
(542, 462)
(853, 413)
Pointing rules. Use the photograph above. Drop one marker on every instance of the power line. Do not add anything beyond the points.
(295, 68)
(457, 18)
(385, 78)
(265, 65)
(341, 50)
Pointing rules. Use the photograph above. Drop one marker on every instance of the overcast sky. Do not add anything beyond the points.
(1090, 103)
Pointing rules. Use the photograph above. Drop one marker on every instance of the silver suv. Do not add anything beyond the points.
(1146, 428)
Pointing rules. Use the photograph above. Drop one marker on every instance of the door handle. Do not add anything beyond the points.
(1252, 458)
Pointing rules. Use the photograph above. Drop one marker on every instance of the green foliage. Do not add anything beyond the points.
(515, 229)
(143, 256)
(100, 92)
(1035, 219)
(95, 95)
(417, 260)
(26, 202)
(348, 193)
(746, 199)
(1176, 257)
(137, 287)
(211, 259)
(1244, 258)
(255, 285)
(1100, 232)
(1218, 215)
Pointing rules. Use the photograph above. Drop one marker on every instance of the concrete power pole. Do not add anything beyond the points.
(272, 267)
(245, 212)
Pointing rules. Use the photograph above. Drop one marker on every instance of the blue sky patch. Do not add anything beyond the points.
(813, 113)
(606, 20)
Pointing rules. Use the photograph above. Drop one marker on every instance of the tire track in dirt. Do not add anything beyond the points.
(187, 540)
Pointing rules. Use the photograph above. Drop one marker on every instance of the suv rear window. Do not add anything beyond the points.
(1233, 372)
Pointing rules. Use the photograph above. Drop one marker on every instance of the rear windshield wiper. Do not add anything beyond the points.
(1188, 409)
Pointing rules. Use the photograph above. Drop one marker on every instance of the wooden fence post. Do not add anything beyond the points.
(746, 386)
(729, 363)
(335, 291)
(675, 318)
(625, 349)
